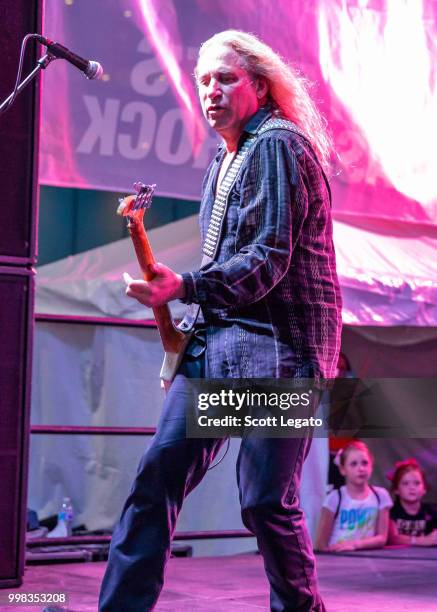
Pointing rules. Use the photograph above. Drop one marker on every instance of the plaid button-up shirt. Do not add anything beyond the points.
(270, 299)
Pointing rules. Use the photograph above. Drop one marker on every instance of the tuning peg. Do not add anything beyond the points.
(138, 186)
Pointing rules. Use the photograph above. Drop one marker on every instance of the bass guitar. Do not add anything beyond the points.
(174, 340)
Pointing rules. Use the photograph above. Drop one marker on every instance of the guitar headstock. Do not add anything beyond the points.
(135, 206)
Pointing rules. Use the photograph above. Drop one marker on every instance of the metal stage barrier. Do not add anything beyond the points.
(105, 539)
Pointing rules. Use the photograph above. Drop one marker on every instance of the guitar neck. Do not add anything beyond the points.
(171, 337)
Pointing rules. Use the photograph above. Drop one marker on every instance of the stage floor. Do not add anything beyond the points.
(395, 580)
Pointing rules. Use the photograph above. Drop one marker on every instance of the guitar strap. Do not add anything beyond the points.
(221, 201)
(220, 205)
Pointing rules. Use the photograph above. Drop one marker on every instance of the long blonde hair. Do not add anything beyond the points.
(288, 90)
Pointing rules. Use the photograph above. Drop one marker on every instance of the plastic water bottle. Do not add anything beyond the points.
(64, 526)
(66, 514)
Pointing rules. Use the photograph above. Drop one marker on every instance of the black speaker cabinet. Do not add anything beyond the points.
(19, 135)
(18, 220)
(16, 324)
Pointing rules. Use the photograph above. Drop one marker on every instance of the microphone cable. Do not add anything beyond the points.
(20, 69)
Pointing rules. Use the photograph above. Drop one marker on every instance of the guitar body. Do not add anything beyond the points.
(174, 340)
(172, 361)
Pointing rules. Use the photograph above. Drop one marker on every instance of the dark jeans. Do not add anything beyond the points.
(268, 475)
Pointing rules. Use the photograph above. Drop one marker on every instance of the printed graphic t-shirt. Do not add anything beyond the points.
(418, 524)
(357, 518)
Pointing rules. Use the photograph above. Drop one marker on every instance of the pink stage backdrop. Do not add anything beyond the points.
(373, 61)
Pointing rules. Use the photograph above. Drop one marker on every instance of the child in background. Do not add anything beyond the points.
(356, 515)
(411, 521)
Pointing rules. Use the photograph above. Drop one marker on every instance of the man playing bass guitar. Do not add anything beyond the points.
(269, 295)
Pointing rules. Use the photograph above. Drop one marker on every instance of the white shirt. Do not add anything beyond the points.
(357, 518)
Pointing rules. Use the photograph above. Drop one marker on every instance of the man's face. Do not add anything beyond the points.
(228, 94)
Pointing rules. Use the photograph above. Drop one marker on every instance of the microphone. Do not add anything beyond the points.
(91, 69)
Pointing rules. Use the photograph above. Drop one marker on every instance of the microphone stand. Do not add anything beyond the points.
(42, 64)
